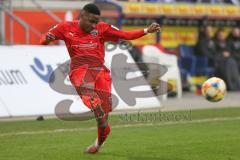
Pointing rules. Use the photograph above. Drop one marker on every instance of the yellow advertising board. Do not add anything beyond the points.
(214, 10)
(181, 9)
(231, 11)
(148, 39)
(171, 36)
(199, 9)
(151, 9)
(133, 8)
(167, 9)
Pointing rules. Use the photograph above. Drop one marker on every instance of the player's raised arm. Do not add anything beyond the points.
(114, 33)
(55, 33)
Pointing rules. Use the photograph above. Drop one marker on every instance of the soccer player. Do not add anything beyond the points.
(84, 40)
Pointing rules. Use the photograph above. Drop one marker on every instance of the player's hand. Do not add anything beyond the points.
(49, 37)
(154, 27)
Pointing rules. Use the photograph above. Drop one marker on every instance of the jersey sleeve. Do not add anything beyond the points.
(112, 33)
(58, 31)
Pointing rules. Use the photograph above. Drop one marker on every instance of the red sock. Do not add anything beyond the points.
(102, 134)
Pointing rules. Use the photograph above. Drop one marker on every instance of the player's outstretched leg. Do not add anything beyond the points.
(103, 130)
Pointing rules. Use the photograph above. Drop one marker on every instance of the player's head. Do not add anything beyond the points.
(89, 17)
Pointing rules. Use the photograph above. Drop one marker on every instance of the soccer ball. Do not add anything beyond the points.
(214, 89)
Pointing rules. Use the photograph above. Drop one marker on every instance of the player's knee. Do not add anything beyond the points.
(91, 102)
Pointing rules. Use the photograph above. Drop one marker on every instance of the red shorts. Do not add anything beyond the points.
(93, 85)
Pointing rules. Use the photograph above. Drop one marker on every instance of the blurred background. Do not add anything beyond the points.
(199, 38)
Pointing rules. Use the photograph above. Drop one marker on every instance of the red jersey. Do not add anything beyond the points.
(88, 48)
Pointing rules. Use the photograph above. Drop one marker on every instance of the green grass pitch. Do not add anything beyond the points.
(212, 134)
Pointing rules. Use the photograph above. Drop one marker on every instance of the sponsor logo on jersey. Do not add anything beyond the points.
(85, 46)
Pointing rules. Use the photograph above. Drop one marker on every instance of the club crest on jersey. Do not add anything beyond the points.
(94, 33)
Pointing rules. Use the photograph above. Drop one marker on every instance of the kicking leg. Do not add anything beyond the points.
(103, 130)
(102, 124)
(101, 108)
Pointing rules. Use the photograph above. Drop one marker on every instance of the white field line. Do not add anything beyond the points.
(120, 126)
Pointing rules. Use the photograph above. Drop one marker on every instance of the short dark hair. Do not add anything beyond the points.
(92, 8)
